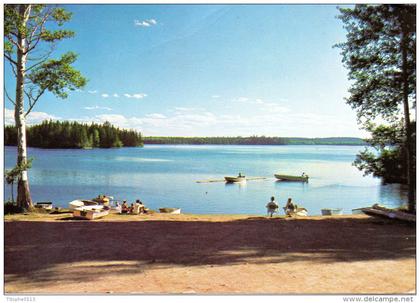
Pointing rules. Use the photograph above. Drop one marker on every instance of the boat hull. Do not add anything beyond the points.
(86, 214)
(331, 211)
(235, 179)
(168, 210)
(291, 178)
(81, 203)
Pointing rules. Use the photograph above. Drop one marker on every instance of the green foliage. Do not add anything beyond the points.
(372, 54)
(56, 134)
(12, 175)
(58, 75)
(380, 55)
(11, 208)
(388, 160)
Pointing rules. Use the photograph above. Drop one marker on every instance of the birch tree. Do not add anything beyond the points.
(31, 33)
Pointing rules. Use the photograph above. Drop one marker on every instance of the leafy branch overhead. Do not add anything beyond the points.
(54, 75)
(376, 36)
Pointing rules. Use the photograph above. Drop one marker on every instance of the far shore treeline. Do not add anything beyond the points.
(255, 140)
(65, 134)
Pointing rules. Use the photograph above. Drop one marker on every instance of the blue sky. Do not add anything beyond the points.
(207, 70)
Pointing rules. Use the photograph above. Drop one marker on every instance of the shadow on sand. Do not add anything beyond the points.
(33, 250)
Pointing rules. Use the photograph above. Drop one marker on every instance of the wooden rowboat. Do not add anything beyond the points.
(384, 212)
(235, 179)
(292, 178)
(331, 211)
(299, 212)
(80, 203)
(89, 213)
(44, 205)
(170, 210)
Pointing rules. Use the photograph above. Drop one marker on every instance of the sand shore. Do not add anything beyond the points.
(208, 254)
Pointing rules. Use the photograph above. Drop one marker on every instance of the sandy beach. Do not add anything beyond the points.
(208, 254)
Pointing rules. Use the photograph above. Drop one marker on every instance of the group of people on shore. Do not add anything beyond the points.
(135, 208)
(272, 206)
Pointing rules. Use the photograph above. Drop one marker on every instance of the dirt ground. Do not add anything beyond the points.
(208, 254)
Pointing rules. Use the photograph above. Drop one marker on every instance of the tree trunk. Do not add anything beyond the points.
(13, 197)
(23, 194)
(408, 149)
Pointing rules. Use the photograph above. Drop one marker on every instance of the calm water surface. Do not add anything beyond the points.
(166, 175)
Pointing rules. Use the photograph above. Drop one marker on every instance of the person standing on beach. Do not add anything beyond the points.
(272, 207)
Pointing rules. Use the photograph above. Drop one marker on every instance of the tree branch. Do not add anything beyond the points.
(8, 97)
(10, 59)
(13, 69)
(10, 39)
(34, 100)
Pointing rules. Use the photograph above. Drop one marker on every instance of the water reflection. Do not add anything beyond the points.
(391, 194)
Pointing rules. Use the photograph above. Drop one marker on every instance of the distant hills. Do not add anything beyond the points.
(255, 140)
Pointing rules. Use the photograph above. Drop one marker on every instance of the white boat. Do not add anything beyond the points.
(89, 213)
(331, 211)
(44, 205)
(79, 203)
(299, 212)
(170, 210)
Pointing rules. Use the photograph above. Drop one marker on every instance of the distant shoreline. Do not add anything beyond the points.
(253, 140)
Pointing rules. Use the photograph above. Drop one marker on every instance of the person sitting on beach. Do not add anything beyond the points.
(272, 207)
(124, 207)
(290, 207)
(118, 207)
(140, 206)
(137, 208)
(131, 208)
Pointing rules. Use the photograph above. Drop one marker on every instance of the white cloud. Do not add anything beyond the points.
(115, 95)
(97, 107)
(104, 95)
(135, 96)
(272, 107)
(215, 96)
(32, 118)
(156, 116)
(145, 23)
(92, 91)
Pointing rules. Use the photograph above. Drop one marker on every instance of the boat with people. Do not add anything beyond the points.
(303, 178)
(239, 178)
(235, 179)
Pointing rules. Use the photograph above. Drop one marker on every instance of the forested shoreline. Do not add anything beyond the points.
(65, 134)
(254, 140)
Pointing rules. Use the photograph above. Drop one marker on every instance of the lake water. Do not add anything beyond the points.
(166, 175)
